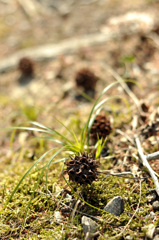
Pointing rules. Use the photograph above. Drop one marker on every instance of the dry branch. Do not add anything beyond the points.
(116, 28)
(115, 174)
(146, 164)
(153, 156)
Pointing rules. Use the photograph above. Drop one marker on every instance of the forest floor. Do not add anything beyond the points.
(51, 95)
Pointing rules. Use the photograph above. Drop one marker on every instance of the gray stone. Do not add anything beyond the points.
(149, 230)
(157, 230)
(115, 206)
(128, 237)
(156, 237)
(155, 205)
(89, 228)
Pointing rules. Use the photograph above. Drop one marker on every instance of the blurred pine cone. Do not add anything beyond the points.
(86, 79)
(101, 128)
(26, 66)
(82, 169)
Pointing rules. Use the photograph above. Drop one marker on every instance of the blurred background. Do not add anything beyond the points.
(58, 38)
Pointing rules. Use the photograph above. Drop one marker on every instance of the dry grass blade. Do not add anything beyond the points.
(74, 210)
(125, 87)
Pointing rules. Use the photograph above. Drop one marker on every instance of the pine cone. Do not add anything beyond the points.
(86, 79)
(82, 169)
(101, 128)
(26, 66)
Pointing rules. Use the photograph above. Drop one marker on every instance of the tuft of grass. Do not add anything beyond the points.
(65, 146)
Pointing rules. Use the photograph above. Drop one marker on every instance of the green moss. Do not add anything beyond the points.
(39, 221)
(101, 191)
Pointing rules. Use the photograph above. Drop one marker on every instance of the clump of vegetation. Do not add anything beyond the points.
(43, 197)
(68, 147)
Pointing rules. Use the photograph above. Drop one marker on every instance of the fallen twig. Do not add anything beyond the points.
(115, 174)
(122, 174)
(146, 164)
(153, 156)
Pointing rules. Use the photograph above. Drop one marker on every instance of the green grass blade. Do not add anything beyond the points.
(71, 132)
(52, 131)
(39, 125)
(73, 148)
(64, 126)
(76, 140)
(104, 101)
(99, 146)
(50, 161)
(84, 132)
(52, 139)
(98, 108)
(27, 128)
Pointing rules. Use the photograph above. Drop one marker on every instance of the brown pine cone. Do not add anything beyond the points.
(86, 79)
(82, 169)
(101, 128)
(26, 66)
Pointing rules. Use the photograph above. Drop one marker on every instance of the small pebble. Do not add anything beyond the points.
(155, 205)
(89, 227)
(128, 237)
(157, 230)
(115, 206)
(156, 237)
(58, 217)
(149, 229)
